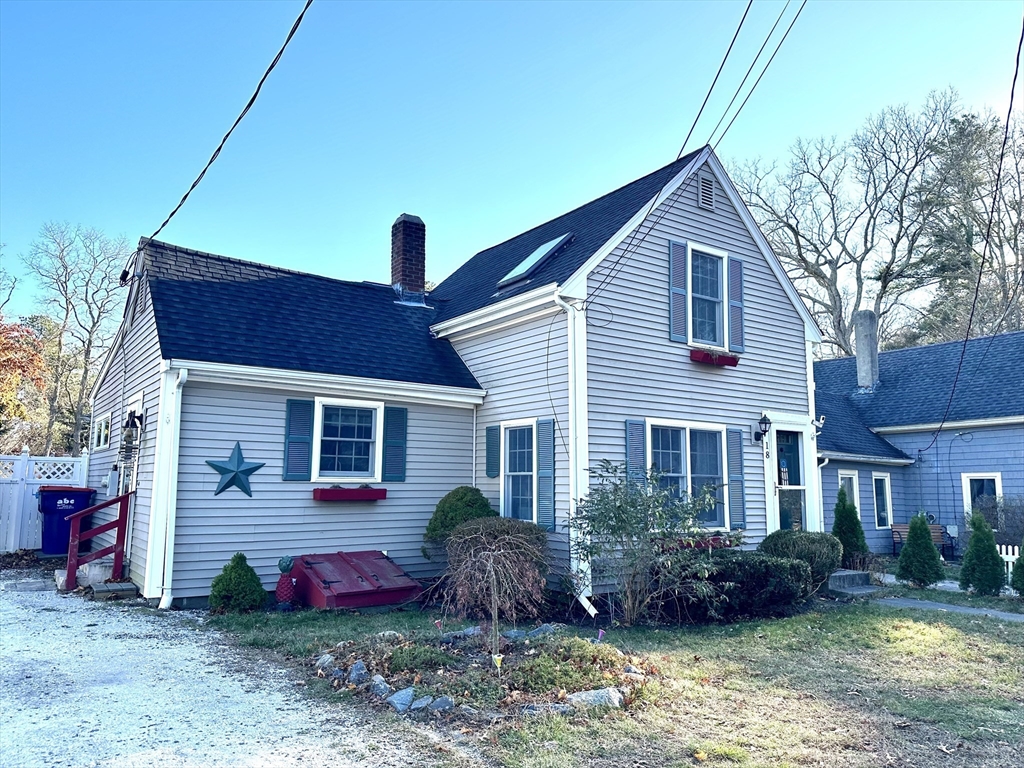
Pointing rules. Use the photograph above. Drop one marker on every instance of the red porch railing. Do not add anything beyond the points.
(120, 524)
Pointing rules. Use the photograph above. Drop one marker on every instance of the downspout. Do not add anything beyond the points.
(475, 409)
(574, 480)
(166, 595)
(821, 493)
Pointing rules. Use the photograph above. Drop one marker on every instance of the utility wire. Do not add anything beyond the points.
(754, 86)
(988, 235)
(216, 153)
(749, 70)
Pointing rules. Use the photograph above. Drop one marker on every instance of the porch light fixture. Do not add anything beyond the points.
(132, 428)
(763, 425)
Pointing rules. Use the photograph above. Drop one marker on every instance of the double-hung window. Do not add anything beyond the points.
(346, 444)
(849, 479)
(518, 500)
(979, 486)
(101, 432)
(883, 499)
(707, 297)
(690, 459)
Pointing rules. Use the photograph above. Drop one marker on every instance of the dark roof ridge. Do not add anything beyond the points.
(144, 242)
(571, 211)
(935, 344)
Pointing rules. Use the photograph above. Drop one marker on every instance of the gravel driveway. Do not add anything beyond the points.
(103, 684)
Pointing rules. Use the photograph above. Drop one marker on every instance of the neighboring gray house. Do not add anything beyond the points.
(601, 334)
(881, 436)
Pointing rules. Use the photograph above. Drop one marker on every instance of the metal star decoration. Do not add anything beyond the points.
(235, 472)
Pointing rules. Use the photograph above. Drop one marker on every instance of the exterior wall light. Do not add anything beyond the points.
(763, 425)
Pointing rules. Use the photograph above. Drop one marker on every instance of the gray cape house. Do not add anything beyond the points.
(604, 333)
(881, 438)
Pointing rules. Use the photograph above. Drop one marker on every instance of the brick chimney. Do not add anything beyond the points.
(865, 330)
(408, 254)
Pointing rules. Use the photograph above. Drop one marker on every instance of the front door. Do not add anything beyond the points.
(789, 481)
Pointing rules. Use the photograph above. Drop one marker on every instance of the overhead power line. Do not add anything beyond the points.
(985, 247)
(125, 275)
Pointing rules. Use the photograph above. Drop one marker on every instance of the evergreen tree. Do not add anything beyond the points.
(919, 563)
(982, 569)
(1017, 580)
(847, 528)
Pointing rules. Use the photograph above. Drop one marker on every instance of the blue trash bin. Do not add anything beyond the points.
(55, 503)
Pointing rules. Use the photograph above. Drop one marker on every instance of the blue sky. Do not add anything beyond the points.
(485, 119)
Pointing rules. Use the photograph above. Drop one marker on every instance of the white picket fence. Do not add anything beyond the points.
(21, 524)
(1009, 555)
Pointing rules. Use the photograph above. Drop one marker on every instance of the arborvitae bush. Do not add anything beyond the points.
(1017, 580)
(847, 528)
(458, 506)
(919, 562)
(982, 569)
(821, 551)
(237, 589)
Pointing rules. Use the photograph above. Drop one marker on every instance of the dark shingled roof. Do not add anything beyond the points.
(845, 432)
(221, 310)
(475, 283)
(914, 384)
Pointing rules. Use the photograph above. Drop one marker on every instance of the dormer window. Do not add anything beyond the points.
(528, 265)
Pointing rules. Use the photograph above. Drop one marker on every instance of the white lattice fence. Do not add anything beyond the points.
(1010, 555)
(20, 479)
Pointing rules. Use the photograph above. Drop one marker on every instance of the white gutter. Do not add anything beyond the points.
(1001, 421)
(163, 507)
(579, 483)
(328, 384)
(827, 455)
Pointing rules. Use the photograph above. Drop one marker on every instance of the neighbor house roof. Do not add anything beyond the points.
(475, 284)
(914, 384)
(217, 309)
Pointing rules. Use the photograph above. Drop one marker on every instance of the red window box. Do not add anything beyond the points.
(713, 358)
(349, 494)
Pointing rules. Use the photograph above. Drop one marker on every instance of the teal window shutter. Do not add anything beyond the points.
(736, 335)
(546, 474)
(396, 423)
(734, 450)
(493, 446)
(636, 450)
(298, 440)
(677, 292)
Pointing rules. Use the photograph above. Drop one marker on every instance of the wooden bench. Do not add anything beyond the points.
(940, 538)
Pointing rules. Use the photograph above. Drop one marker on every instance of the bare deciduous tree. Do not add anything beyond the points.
(7, 281)
(77, 268)
(850, 219)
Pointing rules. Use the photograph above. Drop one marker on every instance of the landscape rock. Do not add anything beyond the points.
(390, 636)
(471, 631)
(442, 704)
(547, 709)
(514, 635)
(631, 670)
(325, 662)
(602, 697)
(379, 687)
(450, 637)
(421, 703)
(402, 700)
(543, 629)
(338, 674)
(358, 674)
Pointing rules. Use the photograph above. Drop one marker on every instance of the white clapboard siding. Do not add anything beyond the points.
(133, 367)
(281, 518)
(636, 371)
(525, 371)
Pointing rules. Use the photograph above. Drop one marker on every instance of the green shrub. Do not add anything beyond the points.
(417, 658)
(821, 551)
(497, 568)
(919, 561)
(456, 507)
(1017, 579)
(983, 569)
(727, 584)
(847, 528)
(570, 664)
(237, 589)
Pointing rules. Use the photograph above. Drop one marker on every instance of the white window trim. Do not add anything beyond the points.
(724, 256)
(504, 426)
(137, 404)
(965, 485)
(888, 495)
(107, 417)
(703, 427)
(855, 475)
(378, 443)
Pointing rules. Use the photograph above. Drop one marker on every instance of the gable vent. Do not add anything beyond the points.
(706, 191)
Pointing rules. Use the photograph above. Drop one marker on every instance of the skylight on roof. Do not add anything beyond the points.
(531, 262)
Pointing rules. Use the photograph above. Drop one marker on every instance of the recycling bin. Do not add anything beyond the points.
(55, 503)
